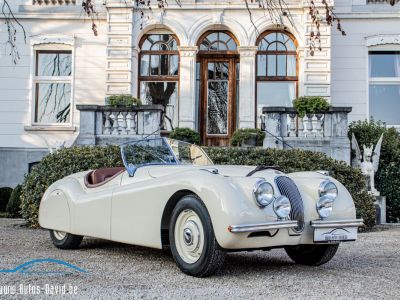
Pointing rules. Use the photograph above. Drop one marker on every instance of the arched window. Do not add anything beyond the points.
(276, 69)
(159, 73)
(218, 41)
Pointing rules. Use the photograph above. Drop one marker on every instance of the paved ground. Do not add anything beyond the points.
(367, 269)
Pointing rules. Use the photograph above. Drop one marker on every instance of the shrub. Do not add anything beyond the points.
(13, 206)
(185, 135)
(123, 100)
(5, 193)
(310, 105)
(387, 178)
(240, 136)
(299, 160)
(70, 160)
(55, 166)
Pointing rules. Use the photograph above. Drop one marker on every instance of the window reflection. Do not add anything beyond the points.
(53, 103)
(218, 41)
(384, 63)
(53, 64)
(384, 103)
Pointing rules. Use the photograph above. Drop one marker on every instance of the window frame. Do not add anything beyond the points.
(380, 80)
(36, 79)
(160, 78)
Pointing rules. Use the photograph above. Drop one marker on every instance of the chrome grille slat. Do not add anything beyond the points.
(288, 188)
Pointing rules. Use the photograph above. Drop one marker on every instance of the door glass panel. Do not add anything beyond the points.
(154, 66)
(281, 65)
(217, 107)
(271, 65)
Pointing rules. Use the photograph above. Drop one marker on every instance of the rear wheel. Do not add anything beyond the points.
(64, 240)
(312, 255)
(193, 244)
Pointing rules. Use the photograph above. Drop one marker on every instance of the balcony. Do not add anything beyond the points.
(54, 2)
(101, 125)
(325, 132)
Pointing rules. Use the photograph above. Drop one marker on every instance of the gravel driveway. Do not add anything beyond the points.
(368, 268)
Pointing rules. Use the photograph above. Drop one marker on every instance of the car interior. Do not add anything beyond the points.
(101, 176)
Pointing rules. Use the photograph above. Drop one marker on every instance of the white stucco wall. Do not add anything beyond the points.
(350, 52)
(16, 95)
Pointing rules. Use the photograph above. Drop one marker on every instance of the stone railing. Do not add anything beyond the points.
(114, 125)
(325, 132)
(54, 2)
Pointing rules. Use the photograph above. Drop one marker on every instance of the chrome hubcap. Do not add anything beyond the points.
(59, 235)
(189, 236)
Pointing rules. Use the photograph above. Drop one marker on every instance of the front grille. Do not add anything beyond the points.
(288, 188)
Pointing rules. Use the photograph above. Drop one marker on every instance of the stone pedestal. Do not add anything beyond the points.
(380, 206)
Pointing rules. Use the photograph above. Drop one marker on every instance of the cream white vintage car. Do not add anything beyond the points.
(170, 194)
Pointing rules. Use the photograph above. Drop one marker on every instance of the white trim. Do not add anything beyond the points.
(393, 39)
(52, 39)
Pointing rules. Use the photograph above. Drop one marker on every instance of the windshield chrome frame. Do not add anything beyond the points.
(131, 169)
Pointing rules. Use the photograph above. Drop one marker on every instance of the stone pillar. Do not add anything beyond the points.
(119, 48)
(247, 94)
(187, 86)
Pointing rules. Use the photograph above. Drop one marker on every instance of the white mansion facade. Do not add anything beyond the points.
(204, 62)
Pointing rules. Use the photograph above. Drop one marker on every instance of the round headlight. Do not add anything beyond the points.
(324, 206)
(328, 193)
(263, 193)
(282, 207)
(328, 188)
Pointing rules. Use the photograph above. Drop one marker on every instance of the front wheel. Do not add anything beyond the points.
(193, 244)
(64, 240)
(312, 255)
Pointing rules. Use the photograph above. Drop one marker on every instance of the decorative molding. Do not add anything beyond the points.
(382, 40)
(188, 51)
(52, 39)
(247, 51)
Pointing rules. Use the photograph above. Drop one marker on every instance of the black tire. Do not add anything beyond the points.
(312, 255)
(213, 256)
(70, 241)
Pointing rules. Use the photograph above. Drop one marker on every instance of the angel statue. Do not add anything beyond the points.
(368, 162)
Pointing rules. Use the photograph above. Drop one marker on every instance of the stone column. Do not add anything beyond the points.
(187, 87)
(247, 87)
(119, 48)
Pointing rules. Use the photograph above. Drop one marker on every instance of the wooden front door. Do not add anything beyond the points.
(218, 100)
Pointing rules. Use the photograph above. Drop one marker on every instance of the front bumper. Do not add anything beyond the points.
(337, 224)
(262, 226)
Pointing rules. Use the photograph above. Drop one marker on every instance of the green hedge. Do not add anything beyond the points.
(387, 178)
(5, 193)
(13, 207)
(70, 160)
(186, 135)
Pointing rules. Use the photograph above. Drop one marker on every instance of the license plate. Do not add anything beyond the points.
(332, 235)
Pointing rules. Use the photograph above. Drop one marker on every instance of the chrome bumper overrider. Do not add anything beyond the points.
(262, 226)
(341, 223)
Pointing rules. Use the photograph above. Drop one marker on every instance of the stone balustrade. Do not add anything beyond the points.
(114, 125)
(322, 132)
(54, 2)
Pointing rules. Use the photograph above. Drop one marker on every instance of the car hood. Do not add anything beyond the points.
(225, 170)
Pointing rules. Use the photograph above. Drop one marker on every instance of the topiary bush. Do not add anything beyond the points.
(387, 177)
(5, 193)
(123, 100)
(310, 105)
(185, 135)
(241, 136)
(55, 166)
(70, 160)
(299, 160)
(13, 206)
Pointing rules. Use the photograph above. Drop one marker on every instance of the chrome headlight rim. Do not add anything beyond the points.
(256, 189)
(328, 193)
(326, 187)
(282, 207)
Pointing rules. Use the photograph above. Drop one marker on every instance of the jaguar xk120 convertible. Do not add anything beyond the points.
(169, 193)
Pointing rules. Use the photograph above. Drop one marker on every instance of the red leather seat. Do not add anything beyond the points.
(99, 177)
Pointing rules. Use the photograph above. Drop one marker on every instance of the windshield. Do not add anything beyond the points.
(161, 151)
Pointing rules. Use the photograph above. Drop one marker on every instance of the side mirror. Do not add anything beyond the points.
(131, 170)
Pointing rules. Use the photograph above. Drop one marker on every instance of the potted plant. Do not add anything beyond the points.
(307, 105)
(124, 100)
(248, 137)
(185, 135)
